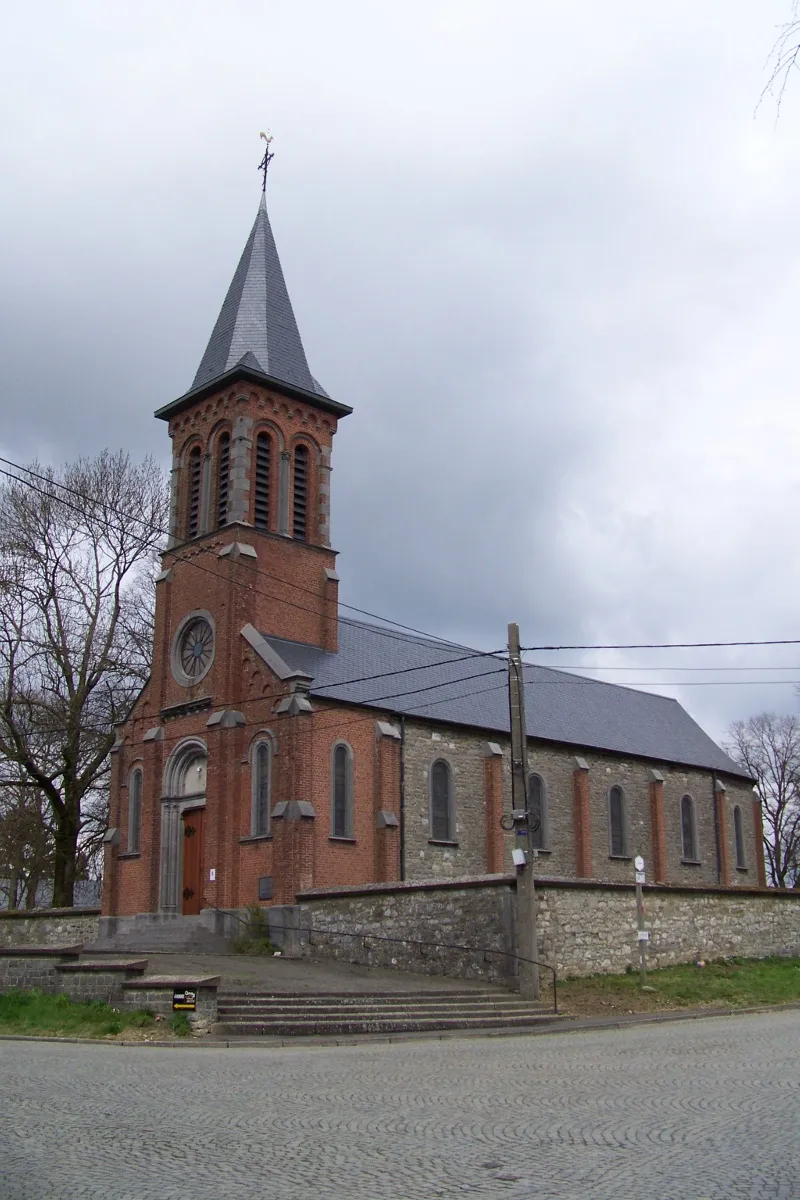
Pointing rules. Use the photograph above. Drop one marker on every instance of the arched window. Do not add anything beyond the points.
(262, 783)
(442, 814)
(617, 823)
(688, 830)
(738, 830)
(185, 772)
(537, 806)
(300, 493)
(195, 466)
(261, 500)
(135, 811)
(223, 477)
(342, 792)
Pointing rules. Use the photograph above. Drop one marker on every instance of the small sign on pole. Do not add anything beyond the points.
(642, 935)
(184, 1000)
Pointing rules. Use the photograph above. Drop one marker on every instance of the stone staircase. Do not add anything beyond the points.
(297, 1014)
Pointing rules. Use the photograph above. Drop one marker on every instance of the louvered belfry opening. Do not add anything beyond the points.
(193, 505)
(223, 477)
(300, 505)
(262, 481)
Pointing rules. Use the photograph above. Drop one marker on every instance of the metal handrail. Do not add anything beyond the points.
(416, 942)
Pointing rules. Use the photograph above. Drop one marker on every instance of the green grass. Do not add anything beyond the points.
(180, 1024)
(34, 1012)
(726, 983)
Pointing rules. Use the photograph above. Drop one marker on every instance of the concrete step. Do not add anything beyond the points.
(244, 1010)
(387, 1025)
(248, 996)
(397, 1016)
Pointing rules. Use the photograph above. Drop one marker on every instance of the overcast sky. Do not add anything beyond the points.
(544, 248)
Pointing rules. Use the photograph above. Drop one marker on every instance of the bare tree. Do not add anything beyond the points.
(784, 58)
(26, 845)
(768, 747)
(73, 545)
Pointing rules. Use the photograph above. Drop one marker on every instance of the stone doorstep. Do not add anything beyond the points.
(40, 951)
(137, 965)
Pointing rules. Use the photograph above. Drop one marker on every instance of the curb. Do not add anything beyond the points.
(567, 1025)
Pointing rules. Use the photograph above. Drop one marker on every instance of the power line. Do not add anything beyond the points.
(656, 667)
(668, 645)
(153, 527)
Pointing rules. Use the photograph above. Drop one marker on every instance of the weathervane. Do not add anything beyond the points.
(267, 159)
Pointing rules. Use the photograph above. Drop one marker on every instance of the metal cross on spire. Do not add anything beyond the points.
(267, 159)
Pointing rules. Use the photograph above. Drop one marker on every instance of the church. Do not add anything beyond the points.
(280, 746)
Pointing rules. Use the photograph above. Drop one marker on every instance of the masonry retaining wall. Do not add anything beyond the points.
(48, 926)
(467, 912)
(584, 927)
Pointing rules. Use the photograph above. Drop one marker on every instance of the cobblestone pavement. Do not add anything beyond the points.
(684, 1111)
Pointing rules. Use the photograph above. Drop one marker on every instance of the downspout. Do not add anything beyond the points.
(716, 826)
(402, 782)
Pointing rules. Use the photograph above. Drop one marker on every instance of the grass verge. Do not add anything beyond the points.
(32, 1012)
(721, 983)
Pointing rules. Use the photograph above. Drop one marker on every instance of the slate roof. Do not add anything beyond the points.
(472, 691)
(256, 327)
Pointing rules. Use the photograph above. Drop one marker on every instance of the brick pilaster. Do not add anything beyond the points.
(330, 612)
(758, 829)
(386, 859)
(582, 820)
(721, 812)
(658, 830)
(493, 806)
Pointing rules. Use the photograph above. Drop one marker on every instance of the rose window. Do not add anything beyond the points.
(196, 648)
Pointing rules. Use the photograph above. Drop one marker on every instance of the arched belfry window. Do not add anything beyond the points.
(195, 470)
(342, 791)
(537, 806)
(223, 477)
(442, 808)
(689, 850)
(738, 829)
(262, 786)
(617, 823)
(262, 498)
(300, 494)
(135, 811)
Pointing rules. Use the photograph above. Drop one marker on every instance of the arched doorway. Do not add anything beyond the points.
(182, 822)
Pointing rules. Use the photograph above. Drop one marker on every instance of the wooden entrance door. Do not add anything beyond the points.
(192, 861)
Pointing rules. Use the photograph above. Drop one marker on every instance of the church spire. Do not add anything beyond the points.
(256, 327)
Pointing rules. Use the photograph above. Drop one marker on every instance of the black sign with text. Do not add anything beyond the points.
(184, 1000)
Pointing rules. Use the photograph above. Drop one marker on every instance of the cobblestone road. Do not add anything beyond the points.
(707, 1109)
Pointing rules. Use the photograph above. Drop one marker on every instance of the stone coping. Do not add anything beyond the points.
(139, 964)
(172, 981)
(25, 914)
(421, 885)
(714, 889)
(543, 881)
(40, 951)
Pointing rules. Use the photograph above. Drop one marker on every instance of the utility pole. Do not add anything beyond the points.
(526, 898)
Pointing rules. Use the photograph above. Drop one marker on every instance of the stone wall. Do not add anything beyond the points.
(584, 927)
(468, 912)
(34, 970)
(49, 926)
(588, 928)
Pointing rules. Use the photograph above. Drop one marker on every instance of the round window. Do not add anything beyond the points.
(194, 650)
